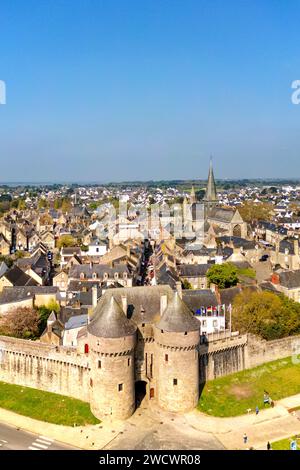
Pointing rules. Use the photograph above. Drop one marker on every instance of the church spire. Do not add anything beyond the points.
(211, 190)
(193, 195)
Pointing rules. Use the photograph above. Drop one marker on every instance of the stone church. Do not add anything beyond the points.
(218, 220)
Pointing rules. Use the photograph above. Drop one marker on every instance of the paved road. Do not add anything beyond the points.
(13, 439)
(156, 429)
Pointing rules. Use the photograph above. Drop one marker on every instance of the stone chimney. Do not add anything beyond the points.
(179, 288)
(124, 303)
(163, 303)
(94, 296)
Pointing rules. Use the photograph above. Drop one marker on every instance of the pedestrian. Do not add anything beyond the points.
(269, 446)
(245, 437)
(256, 410)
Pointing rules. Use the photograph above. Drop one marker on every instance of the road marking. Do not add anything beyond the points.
(43, 441)
(46, 438)
(41, 446)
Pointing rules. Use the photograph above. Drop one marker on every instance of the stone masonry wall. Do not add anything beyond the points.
(45, 367)
(260, 351)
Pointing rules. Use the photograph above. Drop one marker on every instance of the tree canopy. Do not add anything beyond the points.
(265, 314)
(223, 275)
(65, 240)
(252, 211)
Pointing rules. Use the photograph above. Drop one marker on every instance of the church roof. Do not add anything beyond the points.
(211, 190)
(109, 320)
(177, 317)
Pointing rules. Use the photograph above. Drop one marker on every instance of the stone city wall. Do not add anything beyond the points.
(45, 367)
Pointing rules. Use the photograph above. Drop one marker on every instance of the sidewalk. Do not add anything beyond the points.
(87, 437)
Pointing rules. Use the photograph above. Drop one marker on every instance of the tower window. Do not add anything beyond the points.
(99, 364)
(166, 357)
(86, 348)
(143, 324)
(174, 381)
(128, 361)
(91, 382)
(185, 333)
(120, 387)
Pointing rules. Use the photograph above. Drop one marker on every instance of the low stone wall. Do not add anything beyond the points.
(45, 367)
(226, 356)
(260, 351)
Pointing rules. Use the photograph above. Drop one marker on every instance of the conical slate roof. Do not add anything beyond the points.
(211, 190)
(177, 317)
(109, 320)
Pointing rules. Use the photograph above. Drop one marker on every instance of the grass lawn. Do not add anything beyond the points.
(45, 406)
(235, 394)
(284, 444)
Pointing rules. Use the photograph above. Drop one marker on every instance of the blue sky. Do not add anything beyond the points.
(111, 90)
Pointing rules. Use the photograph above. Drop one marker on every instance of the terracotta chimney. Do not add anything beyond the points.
(275, 279)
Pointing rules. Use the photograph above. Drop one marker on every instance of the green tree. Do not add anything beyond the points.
(253, 212)
(186, 284)
(43, 203)
(65, 240)
(44, 313)
(66, 205)
(265, 314)
(223, 275)
(21, 205)
(57, 204)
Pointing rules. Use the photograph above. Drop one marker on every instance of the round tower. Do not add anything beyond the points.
(177, 335)
(111, 339)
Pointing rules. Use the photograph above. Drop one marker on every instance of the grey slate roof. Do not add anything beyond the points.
(17, 277)
(18, 293)
(221, 215)
(99, 269)
(193, 270)
(141, 298)
(76, 322)
(198, 298)
(290, 279)
(3, 268)
(177, 317)
(109, 320)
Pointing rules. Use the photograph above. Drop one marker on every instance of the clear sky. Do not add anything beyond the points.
(111, 90)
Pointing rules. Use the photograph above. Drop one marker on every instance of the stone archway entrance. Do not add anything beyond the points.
(140, 392)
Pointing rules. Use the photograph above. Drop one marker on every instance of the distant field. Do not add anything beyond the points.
(234, 394)
(45, 406)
